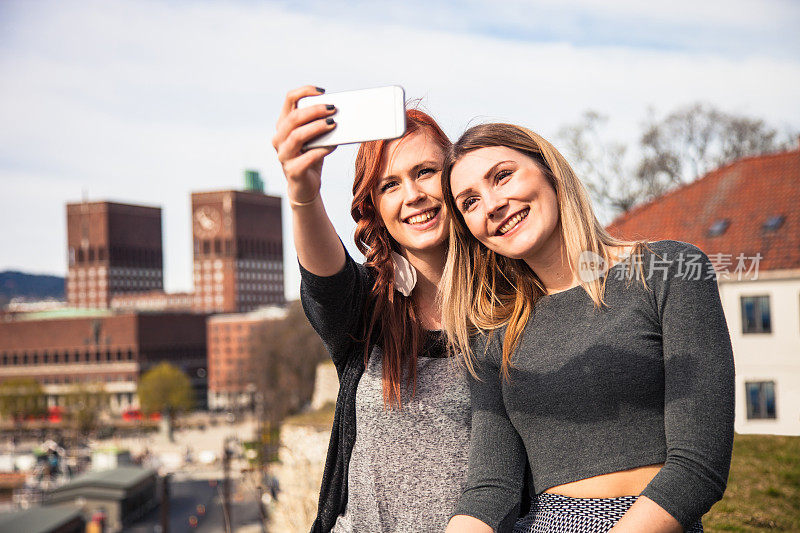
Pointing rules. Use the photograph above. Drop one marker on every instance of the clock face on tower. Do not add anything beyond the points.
(207, 221)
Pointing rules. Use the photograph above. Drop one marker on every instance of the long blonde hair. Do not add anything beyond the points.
(481, 290)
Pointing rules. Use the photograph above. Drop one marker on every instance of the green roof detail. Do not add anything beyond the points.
(69, 312)
(253, 181)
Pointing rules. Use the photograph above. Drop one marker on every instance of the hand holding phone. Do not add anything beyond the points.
(361, 115)
(295, 127)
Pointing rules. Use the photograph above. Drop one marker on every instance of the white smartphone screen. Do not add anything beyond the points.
(361, 115)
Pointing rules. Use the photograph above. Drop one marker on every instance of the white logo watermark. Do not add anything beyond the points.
(686, 266)
(591, 266)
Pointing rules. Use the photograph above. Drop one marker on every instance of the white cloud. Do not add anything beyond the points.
(736, 13)
(147, 102)
(736, 28)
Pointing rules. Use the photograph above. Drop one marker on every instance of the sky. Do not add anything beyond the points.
(147, 101)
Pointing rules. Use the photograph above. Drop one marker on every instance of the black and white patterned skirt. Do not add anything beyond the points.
(551, 513)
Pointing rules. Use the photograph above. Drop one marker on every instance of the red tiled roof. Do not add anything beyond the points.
(747, 192)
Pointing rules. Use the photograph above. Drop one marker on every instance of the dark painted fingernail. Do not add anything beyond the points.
(329, 121)
(330, 107)
(320, 89)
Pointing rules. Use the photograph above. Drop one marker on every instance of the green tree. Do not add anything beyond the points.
(21, 398)
(84, 403)
(167, 390)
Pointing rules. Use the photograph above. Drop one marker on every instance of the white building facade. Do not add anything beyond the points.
(764, 321)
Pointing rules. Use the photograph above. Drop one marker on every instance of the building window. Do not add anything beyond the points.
(756, 314)
(718, 227)
(760, 399)
(773, 223)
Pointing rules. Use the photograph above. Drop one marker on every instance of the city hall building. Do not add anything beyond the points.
(115, 253)
(238, 251)
(119, 322)
(65, 349)
(113, 249)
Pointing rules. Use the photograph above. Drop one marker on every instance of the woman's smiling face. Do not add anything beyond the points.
(506, 200)
(408, 195)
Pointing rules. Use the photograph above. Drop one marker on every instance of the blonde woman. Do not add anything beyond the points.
(605, 363)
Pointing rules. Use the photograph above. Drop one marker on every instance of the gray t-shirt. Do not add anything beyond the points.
(647, 379)
(409, 466)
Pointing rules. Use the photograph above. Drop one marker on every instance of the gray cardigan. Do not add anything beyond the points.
(334, 306)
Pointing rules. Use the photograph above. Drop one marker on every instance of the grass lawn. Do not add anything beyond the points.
(763, 487)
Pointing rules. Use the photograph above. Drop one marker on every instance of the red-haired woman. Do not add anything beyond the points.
(398, 451)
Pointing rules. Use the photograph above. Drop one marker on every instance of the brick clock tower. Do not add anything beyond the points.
(113, 248)
(238, 249)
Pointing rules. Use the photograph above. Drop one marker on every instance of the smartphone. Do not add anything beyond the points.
(361, 115)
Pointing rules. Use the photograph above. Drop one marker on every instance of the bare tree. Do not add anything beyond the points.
(287, 353)
(676, 149)
(84, 404)
(696, 139)
(599, 162)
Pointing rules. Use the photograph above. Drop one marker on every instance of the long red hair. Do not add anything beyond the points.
(391, 317)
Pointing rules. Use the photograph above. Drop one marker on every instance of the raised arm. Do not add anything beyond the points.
(334, 288)
(319, 249)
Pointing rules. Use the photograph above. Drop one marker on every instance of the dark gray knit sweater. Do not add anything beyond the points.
(648, 379)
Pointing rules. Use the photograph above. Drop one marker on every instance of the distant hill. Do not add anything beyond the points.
(32, 286)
